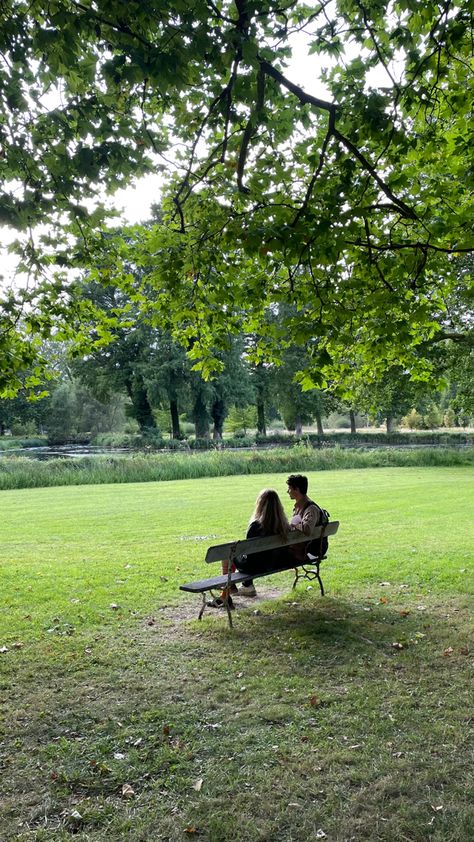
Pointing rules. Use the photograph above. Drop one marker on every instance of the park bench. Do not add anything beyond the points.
(307, 569)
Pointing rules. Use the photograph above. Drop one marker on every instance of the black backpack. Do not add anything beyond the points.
(319, 546)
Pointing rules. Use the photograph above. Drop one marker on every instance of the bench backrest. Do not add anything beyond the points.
(272, 542)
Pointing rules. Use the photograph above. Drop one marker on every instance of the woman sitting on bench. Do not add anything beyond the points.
(268, 518)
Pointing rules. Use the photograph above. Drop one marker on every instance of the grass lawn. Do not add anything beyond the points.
(123, 718)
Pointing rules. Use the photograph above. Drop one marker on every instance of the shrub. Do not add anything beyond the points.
(433, 418)
(414, 421)
(449, 419)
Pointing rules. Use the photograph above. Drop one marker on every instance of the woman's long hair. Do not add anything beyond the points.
(270, 513)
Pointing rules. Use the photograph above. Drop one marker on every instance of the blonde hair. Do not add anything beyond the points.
(270, 514)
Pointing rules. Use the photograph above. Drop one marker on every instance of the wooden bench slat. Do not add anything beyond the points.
(221, 581)
(254, 545)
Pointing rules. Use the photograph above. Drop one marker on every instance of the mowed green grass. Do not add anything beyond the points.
(305, 720)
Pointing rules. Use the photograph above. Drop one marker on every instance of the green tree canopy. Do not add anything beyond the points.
(350, 202)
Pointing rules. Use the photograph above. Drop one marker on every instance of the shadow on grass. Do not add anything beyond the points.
(306, 710)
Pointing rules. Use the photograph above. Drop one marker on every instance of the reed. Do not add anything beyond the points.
(21, 472)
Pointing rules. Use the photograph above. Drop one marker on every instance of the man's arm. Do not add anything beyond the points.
(307, 521)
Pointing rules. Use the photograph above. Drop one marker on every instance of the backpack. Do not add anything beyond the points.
(319, 546)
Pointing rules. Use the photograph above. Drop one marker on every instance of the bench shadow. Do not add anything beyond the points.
(334, 625)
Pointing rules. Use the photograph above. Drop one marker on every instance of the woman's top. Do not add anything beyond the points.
(267, 559)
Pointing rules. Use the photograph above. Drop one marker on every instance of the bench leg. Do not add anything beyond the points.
(203, 606)
(309, 574)
(205, 603)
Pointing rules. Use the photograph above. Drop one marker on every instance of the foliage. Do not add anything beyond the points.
(413, 420)
(352, 206)
(241, 418)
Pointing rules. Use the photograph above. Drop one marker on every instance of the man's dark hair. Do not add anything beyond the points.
(298, 481)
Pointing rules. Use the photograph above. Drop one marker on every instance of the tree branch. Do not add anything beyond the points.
(411, 246)
(250, 129)
(405, 210)
(333, 108)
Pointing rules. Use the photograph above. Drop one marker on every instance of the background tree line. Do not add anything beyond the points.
(143, 380)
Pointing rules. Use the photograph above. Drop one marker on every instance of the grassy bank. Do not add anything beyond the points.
(27, 473)
(125, 718)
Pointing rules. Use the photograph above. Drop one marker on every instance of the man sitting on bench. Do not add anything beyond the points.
(306, 514)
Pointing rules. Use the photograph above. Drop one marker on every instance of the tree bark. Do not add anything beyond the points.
(298, 425)
(218, 412)
(201, 417)
(175, 426)
(319, 423)
(389, 424)
(353, 422)
(141, 405)
(261, 422)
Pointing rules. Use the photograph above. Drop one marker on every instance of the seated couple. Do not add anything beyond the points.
(269, 518)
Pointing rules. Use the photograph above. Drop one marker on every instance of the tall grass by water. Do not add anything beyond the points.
(19, 472)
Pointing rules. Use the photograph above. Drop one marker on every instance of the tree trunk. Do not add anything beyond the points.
(298, 425)
(2, 428)
(353, 422)
(143, 411)
(261, 421)
(175, 427)
(390, 424)
(319, 423)
(260, 401)
(201, 417)
(218, 412)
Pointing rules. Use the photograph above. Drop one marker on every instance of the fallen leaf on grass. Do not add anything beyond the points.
(166, 730)
(448, 651)
(3, 649)
(198, 784)
(127, 791)
(191, 829)
(437, 809)
(397, 645)
(464, 650)
(320, 834)
(384, 599)
(404, 613)
(114, 606)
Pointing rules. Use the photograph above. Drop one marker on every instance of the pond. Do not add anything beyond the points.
(65, 451)
(75, 451)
